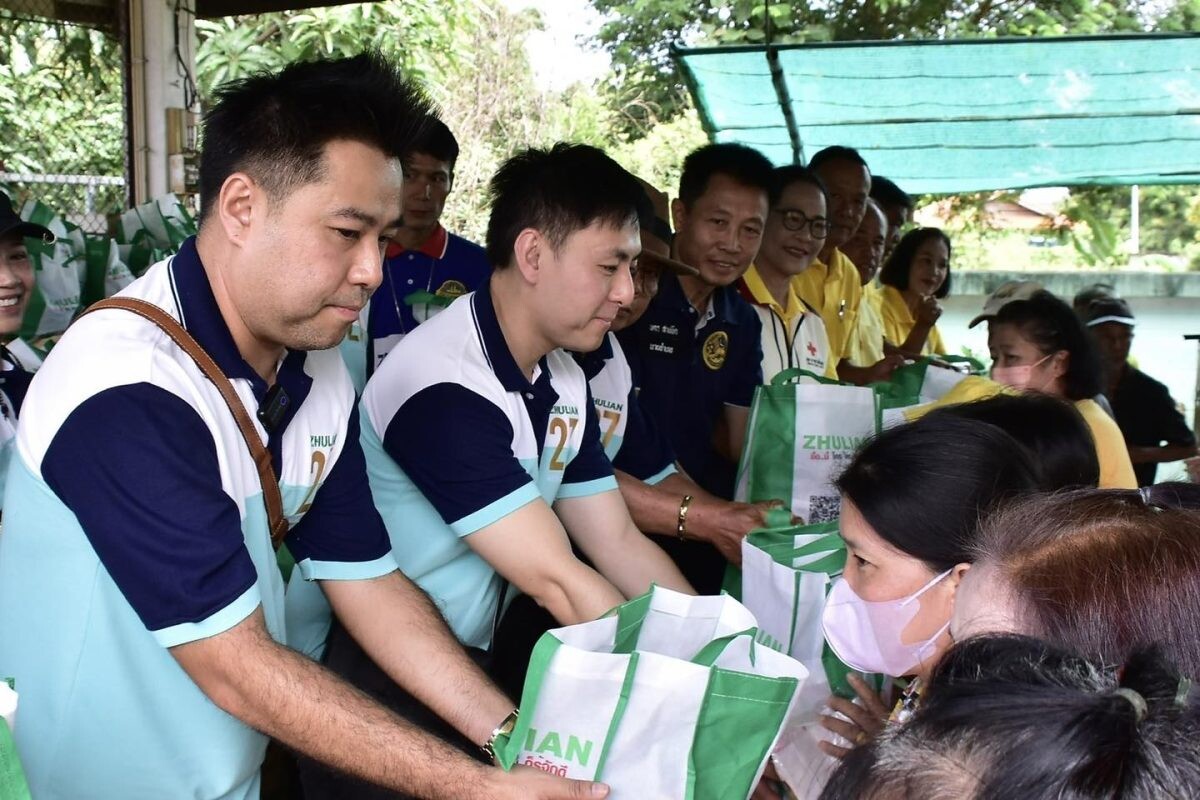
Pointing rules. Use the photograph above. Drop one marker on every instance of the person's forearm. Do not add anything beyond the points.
(404, 633)
(655, 508)
(578, 594)
(1160, 455)
(298, 702)
(633, 563)
(738, 418)
(859, 376)
(916, 338)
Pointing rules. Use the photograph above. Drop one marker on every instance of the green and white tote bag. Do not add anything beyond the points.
(803, 431)
(668, 698)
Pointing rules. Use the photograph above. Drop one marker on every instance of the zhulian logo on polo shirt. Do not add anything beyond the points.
(322, 441)
(716, 348)
(451, 289)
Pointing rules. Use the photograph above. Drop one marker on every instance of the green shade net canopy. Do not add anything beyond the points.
(969, 115)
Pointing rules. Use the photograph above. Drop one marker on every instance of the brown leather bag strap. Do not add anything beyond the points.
(262, 457)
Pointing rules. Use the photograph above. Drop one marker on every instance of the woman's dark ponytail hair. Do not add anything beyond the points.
(1013, 718)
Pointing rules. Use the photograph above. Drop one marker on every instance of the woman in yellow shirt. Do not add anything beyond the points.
(915, 276)
(1040, 345)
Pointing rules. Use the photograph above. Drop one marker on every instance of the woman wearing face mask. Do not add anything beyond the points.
(911, 500)
(1039, 345)
(915, 276)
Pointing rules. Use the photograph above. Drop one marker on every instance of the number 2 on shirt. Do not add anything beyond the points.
(318, 464)
(562, 428)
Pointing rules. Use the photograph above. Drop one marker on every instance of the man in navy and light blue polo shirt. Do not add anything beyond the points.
(651, 485)
(696, 354)
(141, 606)
(483, 447)
(426, 267)
(482, 444)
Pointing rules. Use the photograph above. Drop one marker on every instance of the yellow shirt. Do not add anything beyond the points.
(866, 346)
(790, 336)
(835, 291)
(761, 295)
(1116, 470)
(898, 322)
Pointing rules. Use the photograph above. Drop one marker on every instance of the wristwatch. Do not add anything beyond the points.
(505, 728)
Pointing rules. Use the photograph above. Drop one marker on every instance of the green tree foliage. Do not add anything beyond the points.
(1167, 216)
(61, 114)
(471, 56)
(647, 89)
(423, 36)
(60, 99)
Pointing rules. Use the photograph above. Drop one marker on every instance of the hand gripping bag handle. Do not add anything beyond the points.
(262, 458)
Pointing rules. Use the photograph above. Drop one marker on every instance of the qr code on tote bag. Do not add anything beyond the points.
(824, 508)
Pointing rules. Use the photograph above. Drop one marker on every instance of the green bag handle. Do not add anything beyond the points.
(709, 654)
(778, 518)
(427, 298)
(793, 374)
(13, 785)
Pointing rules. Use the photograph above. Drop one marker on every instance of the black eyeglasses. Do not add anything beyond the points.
(796, 220)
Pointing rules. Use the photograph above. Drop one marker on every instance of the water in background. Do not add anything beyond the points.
(1158, 345)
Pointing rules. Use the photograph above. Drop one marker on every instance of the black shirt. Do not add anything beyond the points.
(687, 368)
(1147, 417)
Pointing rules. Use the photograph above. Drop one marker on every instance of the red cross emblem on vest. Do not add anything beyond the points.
(812, 349)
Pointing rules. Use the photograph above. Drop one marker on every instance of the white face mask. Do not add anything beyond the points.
(865, 635)
(1019, 377)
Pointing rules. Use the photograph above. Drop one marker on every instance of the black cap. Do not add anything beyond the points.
(1108, 309)
(11, 223)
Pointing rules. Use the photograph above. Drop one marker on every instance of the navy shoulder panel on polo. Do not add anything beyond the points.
(173, 568)
(471, 256)
(645, 452)
(456, 447)
(592, 363)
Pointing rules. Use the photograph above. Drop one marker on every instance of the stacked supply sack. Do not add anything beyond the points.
(58, 272)
(930, 380)
(77, 269)
(667, 698)
(152, 231)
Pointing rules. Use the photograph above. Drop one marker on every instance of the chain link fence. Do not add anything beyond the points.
(62, 120)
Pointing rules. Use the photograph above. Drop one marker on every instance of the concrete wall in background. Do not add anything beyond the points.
(1066, 284)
